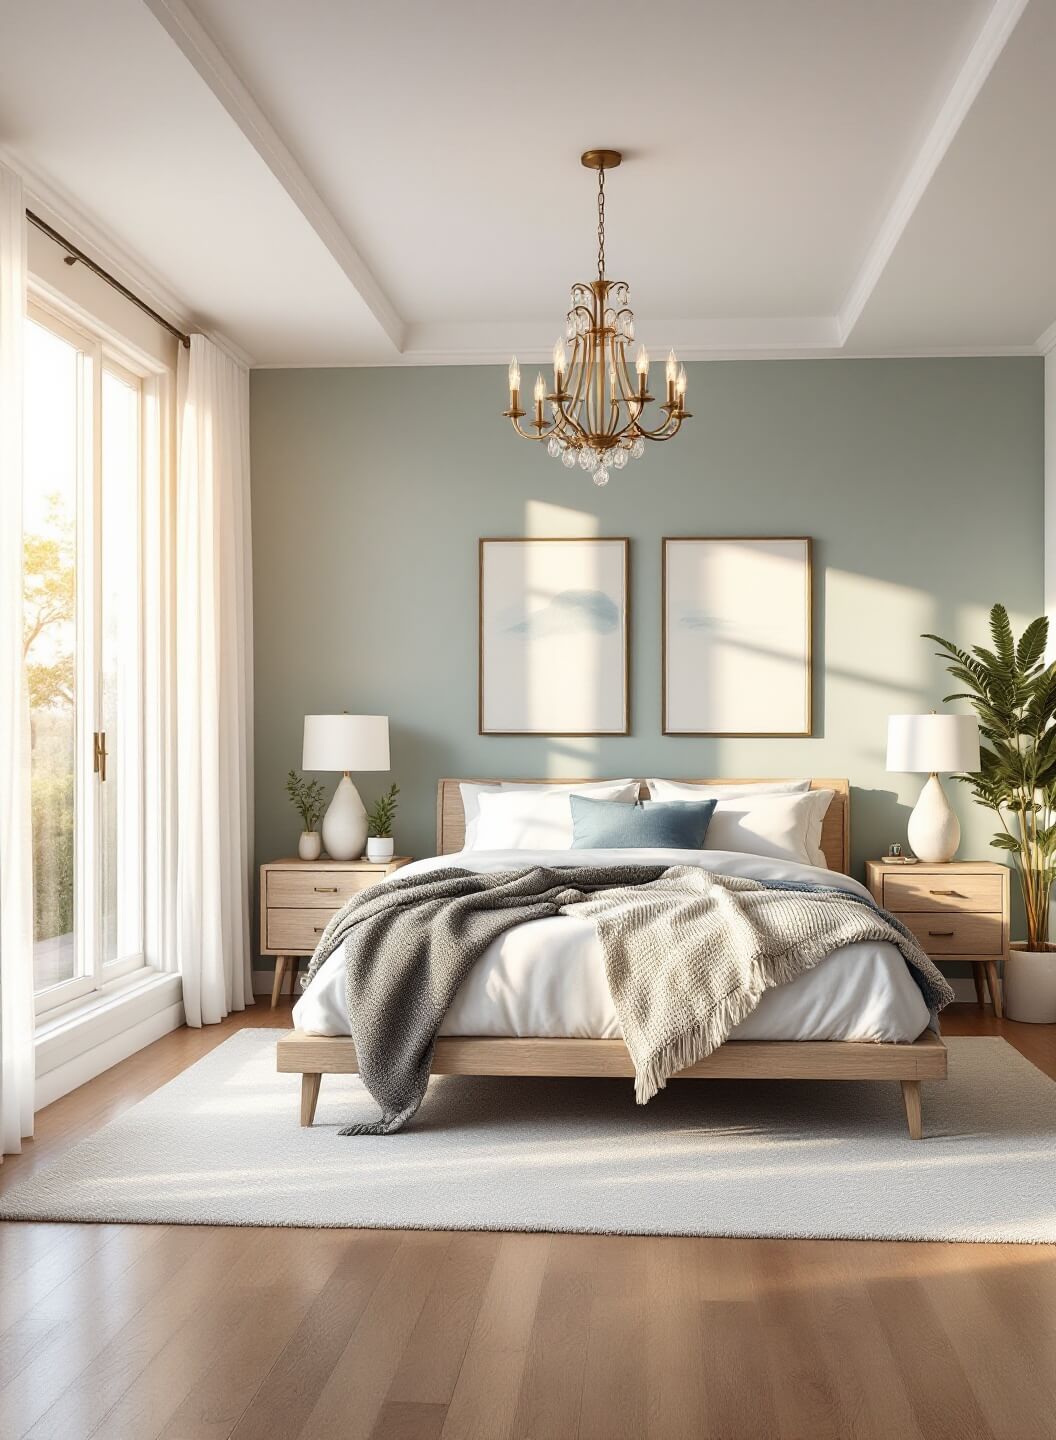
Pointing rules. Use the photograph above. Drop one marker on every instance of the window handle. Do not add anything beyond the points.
(325, 889)
(99, 753)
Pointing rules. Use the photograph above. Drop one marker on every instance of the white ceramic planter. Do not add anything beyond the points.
(379, 850)
(1030, 986)
(310, 845)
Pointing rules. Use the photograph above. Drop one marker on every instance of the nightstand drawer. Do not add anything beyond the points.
(316, 888)
(296, 932)
(934, 891)
(949, 933)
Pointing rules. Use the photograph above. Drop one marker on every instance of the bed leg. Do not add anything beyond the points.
(911, 1099)
(309, 1097)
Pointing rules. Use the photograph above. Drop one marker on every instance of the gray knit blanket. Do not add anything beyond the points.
(688, 955)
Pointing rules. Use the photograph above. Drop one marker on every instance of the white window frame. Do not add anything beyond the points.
(100, 350)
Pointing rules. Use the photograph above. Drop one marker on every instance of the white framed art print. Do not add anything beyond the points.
(554, 637)
(737, 636)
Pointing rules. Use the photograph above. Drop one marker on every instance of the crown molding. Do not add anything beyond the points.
(1046, 341)
(989, 43)
(441, 358)
(60, 211)
(63, 214)
(214, 69)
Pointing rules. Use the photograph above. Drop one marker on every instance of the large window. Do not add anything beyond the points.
(83, 651)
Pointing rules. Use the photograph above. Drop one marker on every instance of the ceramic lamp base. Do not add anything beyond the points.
(934, 832)
(345, 823)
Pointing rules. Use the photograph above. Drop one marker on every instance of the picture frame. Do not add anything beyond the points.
(554, 636)
(736, 636)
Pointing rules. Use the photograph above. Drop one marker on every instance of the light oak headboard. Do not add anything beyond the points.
(835, 832)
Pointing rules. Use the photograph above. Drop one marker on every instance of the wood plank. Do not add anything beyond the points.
(350, 1402)
(615, 1383)
(485, 1396)
(280, 1408)
(302, 1263)
(409, 1420)
(551, 1390)
(738, 1059)
(433, 1356)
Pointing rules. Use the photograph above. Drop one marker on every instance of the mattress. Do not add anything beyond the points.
(547, 977)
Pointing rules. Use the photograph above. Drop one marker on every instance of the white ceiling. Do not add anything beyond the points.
(334, 182)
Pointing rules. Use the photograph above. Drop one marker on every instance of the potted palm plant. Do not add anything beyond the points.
(1013, 692)
(379, 826)
(309, 800)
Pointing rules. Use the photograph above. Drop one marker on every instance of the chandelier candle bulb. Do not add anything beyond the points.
(681, 385)
(515, 379)
(540, 395)
(560, 365)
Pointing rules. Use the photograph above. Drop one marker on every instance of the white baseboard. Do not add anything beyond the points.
(85, 1065)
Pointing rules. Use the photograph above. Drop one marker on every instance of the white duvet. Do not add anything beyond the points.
(547, 977)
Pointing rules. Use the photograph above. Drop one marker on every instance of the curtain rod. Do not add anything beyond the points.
(73, 255)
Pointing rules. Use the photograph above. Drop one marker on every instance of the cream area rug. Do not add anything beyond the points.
(221, 1145)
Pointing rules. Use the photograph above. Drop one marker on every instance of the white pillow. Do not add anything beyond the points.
(493, 824)
(689, 790)
(781, 827)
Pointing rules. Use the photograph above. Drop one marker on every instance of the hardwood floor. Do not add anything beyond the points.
(186, 1332)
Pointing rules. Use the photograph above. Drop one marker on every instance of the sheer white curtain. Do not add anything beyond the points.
(214, 684)
(16, 838)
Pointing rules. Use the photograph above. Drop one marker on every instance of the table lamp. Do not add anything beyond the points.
(345, 742)
(926, 745)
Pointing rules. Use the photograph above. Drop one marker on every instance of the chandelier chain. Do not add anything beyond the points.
(601, 223)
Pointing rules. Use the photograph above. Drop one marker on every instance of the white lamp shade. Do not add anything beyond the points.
(346, 742)
(929, 744)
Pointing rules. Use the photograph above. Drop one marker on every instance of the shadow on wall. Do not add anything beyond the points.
(888, 816)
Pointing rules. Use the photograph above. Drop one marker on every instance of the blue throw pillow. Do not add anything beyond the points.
(656, 825)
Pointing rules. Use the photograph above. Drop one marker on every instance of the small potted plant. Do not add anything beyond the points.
(379, 826)
(1013, 692)
(309, 800)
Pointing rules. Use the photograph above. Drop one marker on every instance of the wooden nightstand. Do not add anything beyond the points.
(298, 897)
(958, 911)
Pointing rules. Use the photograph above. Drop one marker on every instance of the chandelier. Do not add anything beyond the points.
(597, 414)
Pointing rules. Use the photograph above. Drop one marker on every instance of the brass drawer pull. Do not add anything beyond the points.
(941, 934)
(318, 929)
(325, 889)
(955, 893)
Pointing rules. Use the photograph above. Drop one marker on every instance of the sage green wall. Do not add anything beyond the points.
(920, 481)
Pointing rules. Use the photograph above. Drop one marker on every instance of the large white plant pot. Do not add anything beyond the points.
(1030, 986)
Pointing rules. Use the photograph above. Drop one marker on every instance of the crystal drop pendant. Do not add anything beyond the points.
(620, 459)
(568, 459)
(638, 448)
(601, 476)
(554, 446)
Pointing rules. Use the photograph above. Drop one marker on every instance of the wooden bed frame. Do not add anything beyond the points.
(313, 1056)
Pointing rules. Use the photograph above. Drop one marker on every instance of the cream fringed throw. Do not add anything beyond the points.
(688, 954)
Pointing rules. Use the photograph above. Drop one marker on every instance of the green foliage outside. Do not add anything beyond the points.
(1013, 692)
(48, 602)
